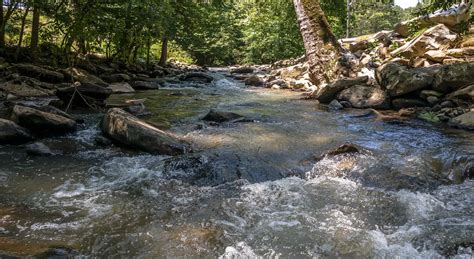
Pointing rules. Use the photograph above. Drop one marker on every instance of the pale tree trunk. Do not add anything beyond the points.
(322, 48)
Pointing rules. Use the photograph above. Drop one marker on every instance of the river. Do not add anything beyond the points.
(252, 188)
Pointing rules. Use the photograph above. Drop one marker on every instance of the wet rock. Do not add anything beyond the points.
(222, 116)
(39, 149)
(130, 131)
(365, 97)
(450, 78)
(42, 122)
(94, 94)
(11, 133)
(40, 73)
(138, 109)
(432, 39)
(102, 141)
(254, 81)
(407, 112)
(198, 77)
(398, 79)
(343, 149)
(334, 105)
(145, 85)
(329, 92)
(242, 70)
(465, 121)
(121, 88)
(466, 93)
(23, 90)
(400, 103)
(116, 78)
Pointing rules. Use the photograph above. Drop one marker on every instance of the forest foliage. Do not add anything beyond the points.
(204, 32)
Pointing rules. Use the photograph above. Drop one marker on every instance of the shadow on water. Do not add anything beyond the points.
(254, 188)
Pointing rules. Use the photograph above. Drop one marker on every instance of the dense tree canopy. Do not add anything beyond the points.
(205, 32)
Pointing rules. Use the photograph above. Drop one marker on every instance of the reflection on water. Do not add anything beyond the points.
(250, 189)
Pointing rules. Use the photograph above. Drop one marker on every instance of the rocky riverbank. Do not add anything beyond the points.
(429, 76)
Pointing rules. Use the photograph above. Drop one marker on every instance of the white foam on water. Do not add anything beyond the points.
(240, 250)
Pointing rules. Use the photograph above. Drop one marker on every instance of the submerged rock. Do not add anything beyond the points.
(221, 116)
(11, 133)
(39, 149)
(42, 122)
(130, 131)
(334, 105)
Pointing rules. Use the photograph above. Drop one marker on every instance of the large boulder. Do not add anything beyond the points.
(12, 133)
(365, 97)
(42, 122)
(465, 121)
(40, 73)
(328, 92)
(254, 81)
(128, 130)
(222, 116)
(434, 38)
(453, 77)
(399, 79)
(293, 72)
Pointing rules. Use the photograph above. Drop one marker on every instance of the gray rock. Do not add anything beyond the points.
(453, 77)
(329, 92)
(130, 131)
(11, 133)
(465, 121)
(334, 105)
(121, 88)
(398, 79)
(42, 122)
(116, 78)
(365, 97)
(433, 100)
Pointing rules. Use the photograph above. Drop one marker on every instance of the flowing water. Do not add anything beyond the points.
(249, 189)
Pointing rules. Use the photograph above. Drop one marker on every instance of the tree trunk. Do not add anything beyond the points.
(35, 33)
(2, 28)
(322, 48)
(164, 51)
(22, 32)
